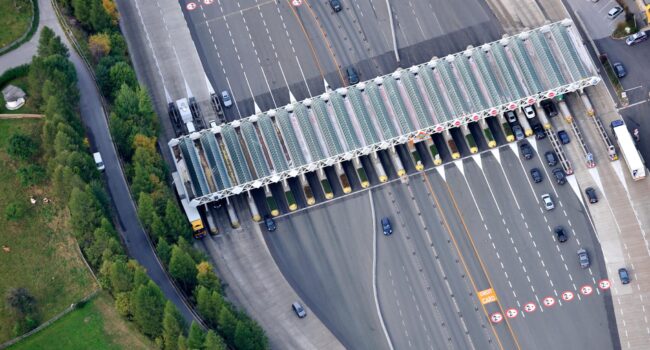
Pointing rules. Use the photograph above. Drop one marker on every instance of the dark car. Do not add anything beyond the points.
(619, 69)
(549, 108)
(386, 226)
(353, 77)
(270, 223)
(336, 5)
(563, 136)
(299, 310)
(539, 131)
(518, 131)
(511, 116)
(623, 275)
(591, 194)
(551, 158)
(561, 235)
(526, 150)
(560, 176)
(536, 175)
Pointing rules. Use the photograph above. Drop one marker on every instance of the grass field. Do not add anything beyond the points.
(96, 325)
(41, 256)
(15, 21)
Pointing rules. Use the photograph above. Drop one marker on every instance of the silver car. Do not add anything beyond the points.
(583, 257)
(614, 12)
(548, 201)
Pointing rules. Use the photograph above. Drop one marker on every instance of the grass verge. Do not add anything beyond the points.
(95, 325)
(39, 252)
(18, 25)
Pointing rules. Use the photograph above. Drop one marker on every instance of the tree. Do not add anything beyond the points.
(182, 343)
(173, 326)
(175, 220)
(122, 74)
(164, 251)
(21, 301)
(249, 336)
(196, 337)
(148, 309)
(120, 277)
(227, 324)
(50, 44)
(146, 210)
(85, 211)
(111, 11)
(206, 276)
(21, 147)
(213, 341)
(82, 10)
(99, 45)
(123, 304)
(182, 269)
(99, 19)
(32, 174)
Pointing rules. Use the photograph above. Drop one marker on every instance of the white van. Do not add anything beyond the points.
(98, 161)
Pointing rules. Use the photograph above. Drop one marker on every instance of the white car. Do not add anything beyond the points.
(548, 201)
(636, 38)
(614, 12)
(529, 111)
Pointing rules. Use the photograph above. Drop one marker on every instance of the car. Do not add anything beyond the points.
(539, 132)
(227, 100)
(619, 69)
(511, 116)
(530, 112)
(536, 175)
(548, 201)
(386, 226)
(519, 133)
(583, 258)
(591, 194)
(623, 275)
(98, 161)
(563, 136)
(636, 38)
(560, 234)
(270, 223)
(336, 5)
(526, 150)
(549, 108)
(559, 175)
(551, 158)
(614, 12)
(353, 77)
(299, 310)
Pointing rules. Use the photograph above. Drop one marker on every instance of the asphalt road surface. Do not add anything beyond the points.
(259, 50)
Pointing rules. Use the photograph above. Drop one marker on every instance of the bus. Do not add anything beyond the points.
(627, 147)
(192, 213)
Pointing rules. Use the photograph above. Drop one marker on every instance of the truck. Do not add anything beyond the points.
(191, 212)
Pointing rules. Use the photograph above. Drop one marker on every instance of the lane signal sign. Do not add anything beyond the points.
(586, 290)
(567, 296)
(549, 301)
(496, 317)
(190, 6)
(604, 284)
(530, 307)
(512, 313)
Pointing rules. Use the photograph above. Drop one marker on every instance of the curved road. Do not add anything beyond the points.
(94, 118)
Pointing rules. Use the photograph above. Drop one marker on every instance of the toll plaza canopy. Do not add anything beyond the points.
(340, 125)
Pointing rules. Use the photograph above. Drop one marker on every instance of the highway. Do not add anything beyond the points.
(262, 49)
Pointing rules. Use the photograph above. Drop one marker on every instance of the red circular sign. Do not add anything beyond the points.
(567, 295)
(190, 6)
(549, 301)
(496, 317)
(586, 290)
(475, 117)
(493, 112)
(296, 2)
(512, 313)
(531, 101)
(512, 106)
(550, 94)
(457, 122)
(439, 128)
(530, 307)
(604, 284)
